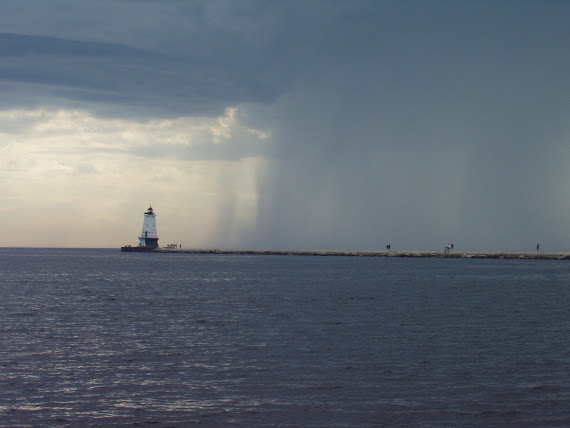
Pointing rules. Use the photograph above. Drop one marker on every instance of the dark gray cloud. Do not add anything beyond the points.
(177, 57)
(99, 75)
(17, 45)
(449, 125)
(157, 58)
(407, 122)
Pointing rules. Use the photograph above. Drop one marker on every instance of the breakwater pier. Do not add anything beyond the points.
(381, 253)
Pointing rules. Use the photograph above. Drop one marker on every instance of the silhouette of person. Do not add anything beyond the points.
(538, 247)
(388, 247)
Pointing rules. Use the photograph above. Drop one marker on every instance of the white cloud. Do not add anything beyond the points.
(88, 178)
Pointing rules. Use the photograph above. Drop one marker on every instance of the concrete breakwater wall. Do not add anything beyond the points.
(382, 253)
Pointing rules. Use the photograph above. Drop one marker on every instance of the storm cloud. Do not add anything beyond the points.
(410, 123)
(447, 125)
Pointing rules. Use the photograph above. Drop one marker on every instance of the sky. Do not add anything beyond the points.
(318, 124)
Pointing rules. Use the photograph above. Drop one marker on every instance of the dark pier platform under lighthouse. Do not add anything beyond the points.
(148, 240)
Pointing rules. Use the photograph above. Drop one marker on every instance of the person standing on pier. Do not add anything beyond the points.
(538, 247)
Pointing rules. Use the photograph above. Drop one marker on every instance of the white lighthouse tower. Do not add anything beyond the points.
(149, 237)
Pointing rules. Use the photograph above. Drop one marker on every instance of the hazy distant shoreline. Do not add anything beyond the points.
(383, 253)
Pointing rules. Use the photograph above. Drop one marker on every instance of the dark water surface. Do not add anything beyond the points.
(99, 337)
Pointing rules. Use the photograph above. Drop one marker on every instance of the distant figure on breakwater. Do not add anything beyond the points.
(538, 247)
(388, 247)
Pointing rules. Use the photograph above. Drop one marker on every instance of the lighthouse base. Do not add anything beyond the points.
(138, 249)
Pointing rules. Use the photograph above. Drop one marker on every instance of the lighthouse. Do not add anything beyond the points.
(149, 237)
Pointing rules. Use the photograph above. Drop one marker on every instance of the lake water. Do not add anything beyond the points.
(99, 337)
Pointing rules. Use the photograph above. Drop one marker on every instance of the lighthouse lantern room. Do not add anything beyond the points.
(149, 237)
